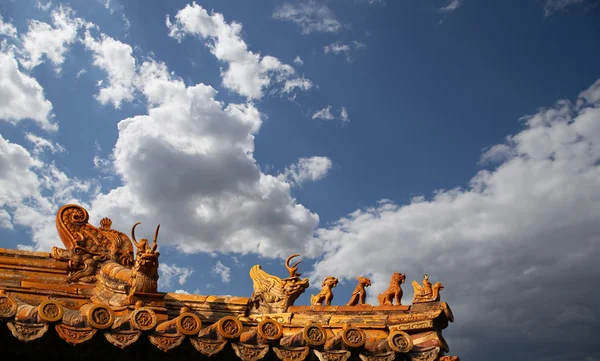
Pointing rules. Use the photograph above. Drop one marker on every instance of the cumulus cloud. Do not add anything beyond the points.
(552, 6)
(31, 191)
(502, 244)
(193, 155)
(306, 169)
(309, 16)
(51, 41)
(247, 73)
(42, 144)
(298, 60)
(344, 115)
(21, 96)
(169, 273)
(116, 59)
(7, 29)
(222, 271)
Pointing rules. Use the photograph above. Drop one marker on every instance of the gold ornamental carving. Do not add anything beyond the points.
(429, 354)
(314, 335)
(188, 324)
(383, 356)
(426, 292)
(230, 327)
(143, 319)
(100, 316)
(122, 338)
(27, 331)
(270, 330)
(75, 335)
(291, 353)
(8, 306)
(208, 347)
(394, 291)
(359, 295)
(449, 358)
(400, 341)
(337, 355)
(354, 337)
(166, 342)
(273, 294)
(326, 293)
(249, 352)
(51, 311)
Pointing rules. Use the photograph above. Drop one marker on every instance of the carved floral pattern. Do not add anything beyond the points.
(291, 353)
(166, 342)
(75, 335)
(384, 356)
(27, 332)
(332, 355)
(122, 339)
(249, 352)
(208, 347)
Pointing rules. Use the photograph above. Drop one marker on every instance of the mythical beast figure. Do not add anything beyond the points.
(326, 294)
(87, 247)
(359, 295)
(273, 294)
(427, 292)
(394, 291)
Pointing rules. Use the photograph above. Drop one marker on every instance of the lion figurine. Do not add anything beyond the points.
(326, 293)
(394, 291)
(359, 295)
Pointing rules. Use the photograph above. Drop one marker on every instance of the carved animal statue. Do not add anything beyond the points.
(144, 274)
(326, 293)
(359, 295)
(273, 294)
(427, 292)
(394, 291)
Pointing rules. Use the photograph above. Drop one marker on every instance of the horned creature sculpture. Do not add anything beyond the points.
(144, 274)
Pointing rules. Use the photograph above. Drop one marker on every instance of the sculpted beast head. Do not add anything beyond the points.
(398, 277)
(438, 285)
(146, 259)
(364, 281)
(330, 281)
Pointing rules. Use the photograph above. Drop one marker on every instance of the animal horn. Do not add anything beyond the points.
(133, 235)
(292, 269)
(155, 245)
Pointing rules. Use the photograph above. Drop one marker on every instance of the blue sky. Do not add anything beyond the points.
(455, 138)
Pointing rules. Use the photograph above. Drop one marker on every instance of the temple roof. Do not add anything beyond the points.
(97, 288)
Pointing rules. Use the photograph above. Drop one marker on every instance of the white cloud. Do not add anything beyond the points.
(52, 41)
(520, 228)
(7, 29)
(168, 273)
(192, 154)
(296, 83)
(324, 114)
(451, 6)
(307, 169)
(552, 6)
(247, 73)
(116, 59)
(298, 60)
(21, 96)
(222, 271)
(42, 144)
(344, 115)
(31, 191)
(309, 16)
(341, 48)
(80, 73)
